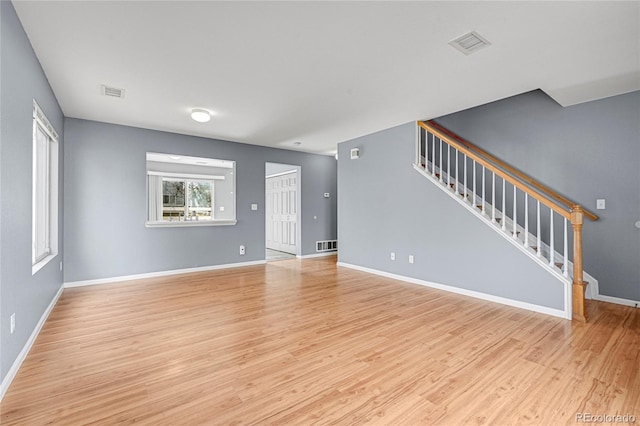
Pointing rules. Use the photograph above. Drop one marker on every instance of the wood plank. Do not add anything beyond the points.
(306, 342)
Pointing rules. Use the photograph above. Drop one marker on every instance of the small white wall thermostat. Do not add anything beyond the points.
(254, 207)
(355, 153)
(600, 204)
(326, 195)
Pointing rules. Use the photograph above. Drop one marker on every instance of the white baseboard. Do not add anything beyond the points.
(11, 374)
(160, 274)
(483, 296)
(617, 300)
(594, 289)
(323, 254)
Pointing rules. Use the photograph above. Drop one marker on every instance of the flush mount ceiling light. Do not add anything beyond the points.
(200, 115)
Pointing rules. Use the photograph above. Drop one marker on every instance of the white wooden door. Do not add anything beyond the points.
(281, 212)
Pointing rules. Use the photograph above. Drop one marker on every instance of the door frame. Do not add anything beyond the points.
(298, 170)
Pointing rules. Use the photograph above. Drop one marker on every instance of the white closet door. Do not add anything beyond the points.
(281, 214)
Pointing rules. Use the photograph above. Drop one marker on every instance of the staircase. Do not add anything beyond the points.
(542, 223)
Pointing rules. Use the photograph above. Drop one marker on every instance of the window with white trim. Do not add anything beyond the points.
(44, 236)
(190, 191)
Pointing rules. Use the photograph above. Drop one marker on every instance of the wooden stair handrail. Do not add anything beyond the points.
(538, 191)
(544, 199)
(454, 139)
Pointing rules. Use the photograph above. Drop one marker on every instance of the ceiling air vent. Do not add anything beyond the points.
(112, 91)
(469, 43)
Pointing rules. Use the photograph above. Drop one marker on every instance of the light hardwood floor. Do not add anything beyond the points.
(304, 342)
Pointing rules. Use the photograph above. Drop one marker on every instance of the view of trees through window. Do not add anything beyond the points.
(186, 200)
(190, 191)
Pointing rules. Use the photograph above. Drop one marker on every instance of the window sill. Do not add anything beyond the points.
(191, 223)
(41, 264)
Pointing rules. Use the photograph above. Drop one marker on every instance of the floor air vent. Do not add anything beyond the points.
(329, 245)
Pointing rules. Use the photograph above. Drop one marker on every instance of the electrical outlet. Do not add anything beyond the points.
(13, 323)
(242, 251)
(393, 256)
(410, 258)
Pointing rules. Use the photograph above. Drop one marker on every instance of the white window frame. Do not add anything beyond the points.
(44, 192)
(187, 194)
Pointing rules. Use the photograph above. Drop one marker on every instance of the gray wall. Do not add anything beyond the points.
(21, 81)
(585, 152)
(384, 205)
(273, 168)
(105, 203)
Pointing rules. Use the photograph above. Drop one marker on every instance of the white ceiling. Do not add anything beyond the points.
(319, 73)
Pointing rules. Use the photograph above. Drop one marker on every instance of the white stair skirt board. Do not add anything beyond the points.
(592, 286)
(471, 293)
(566, 282)
(161, 274)
(11, 374)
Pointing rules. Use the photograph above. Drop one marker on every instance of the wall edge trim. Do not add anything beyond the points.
(13, 371)
(324, 254)
(98, 281)
(471, 293)
(617, 300)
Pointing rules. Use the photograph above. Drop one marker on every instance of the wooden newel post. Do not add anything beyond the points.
(579, 306)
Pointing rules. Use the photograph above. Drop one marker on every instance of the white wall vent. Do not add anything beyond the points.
(469, 43)
(328, 245)
(112, 91)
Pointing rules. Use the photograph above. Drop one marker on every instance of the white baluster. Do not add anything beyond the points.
(433, 155)
(448, 166)
(419, 146)
(484, 193)
(457, 174)
(565, 267)
(493, 197)
(551, 249)
(440, 160)
(515, 213)
(526, 219)
(465, 177)
(539, 248)
(474, 184)
(504, 205)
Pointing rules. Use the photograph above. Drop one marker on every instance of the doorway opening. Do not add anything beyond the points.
(282, 211)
